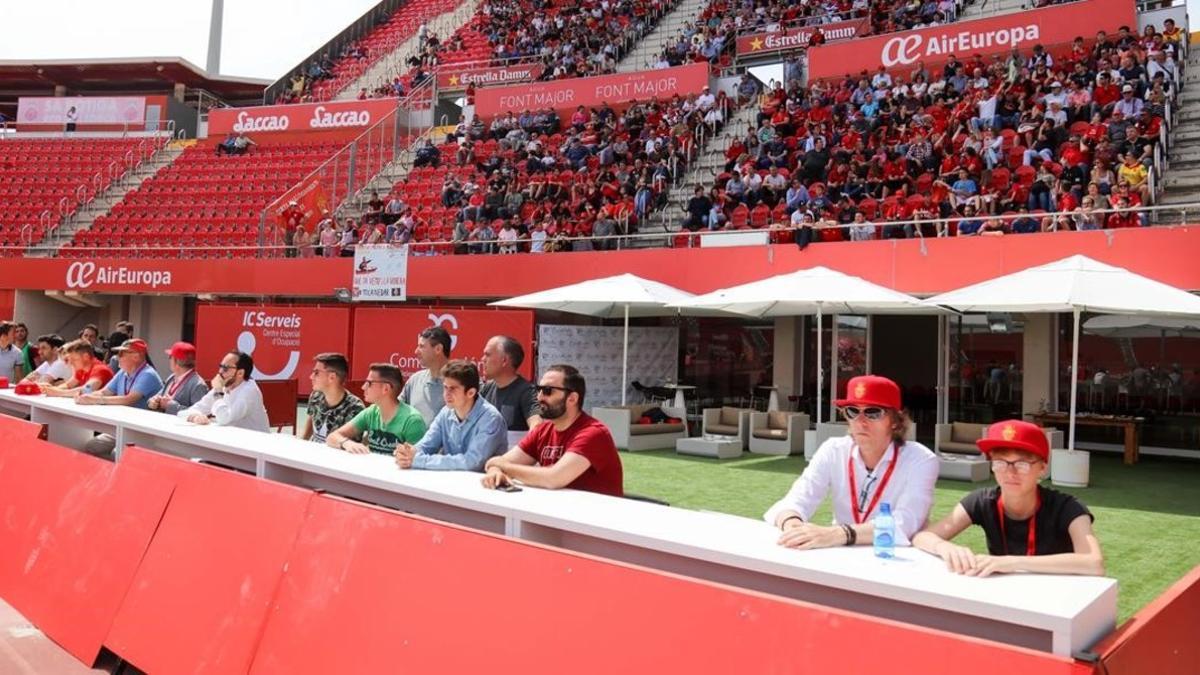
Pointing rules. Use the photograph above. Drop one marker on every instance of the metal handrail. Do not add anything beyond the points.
(622, 240)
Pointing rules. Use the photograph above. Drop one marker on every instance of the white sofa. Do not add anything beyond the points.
(727, 421)
(628, 434)
(777, 432)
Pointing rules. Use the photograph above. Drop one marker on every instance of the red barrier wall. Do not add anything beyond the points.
(402, 594)
(13, 429)
(911, 266)
(73, 533)
(1161, 638)
(199, 599)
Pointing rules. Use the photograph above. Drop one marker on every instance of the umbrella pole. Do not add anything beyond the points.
(820, 378)
(625, 358)
(1074, 379)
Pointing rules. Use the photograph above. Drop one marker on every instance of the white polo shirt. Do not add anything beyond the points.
(909, 490)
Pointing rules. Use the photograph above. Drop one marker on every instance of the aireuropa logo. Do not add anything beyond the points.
(83, 275)
(907, 49)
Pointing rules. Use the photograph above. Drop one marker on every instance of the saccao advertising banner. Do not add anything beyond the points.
(380, 273)
(1049, 26)
(387, 335)
(299, 117)
(283, 340)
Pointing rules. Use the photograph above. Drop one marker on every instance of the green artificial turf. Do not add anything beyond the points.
(1147, 516)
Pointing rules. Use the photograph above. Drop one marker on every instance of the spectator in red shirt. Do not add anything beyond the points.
(1123, 216)
(569, 449)
(91, 374)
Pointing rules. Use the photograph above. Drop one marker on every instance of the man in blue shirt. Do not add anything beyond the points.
(133, 385)
(464, 434)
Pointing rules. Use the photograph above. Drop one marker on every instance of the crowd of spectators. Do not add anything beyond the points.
(1017, 135)
(569, 39)
(534, 182)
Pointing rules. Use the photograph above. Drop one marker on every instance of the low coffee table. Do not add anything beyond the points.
(725, 447)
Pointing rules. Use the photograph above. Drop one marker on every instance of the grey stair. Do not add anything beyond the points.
(105, 201)
(646, 52)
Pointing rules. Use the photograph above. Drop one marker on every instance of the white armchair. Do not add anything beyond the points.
(727, 421)
(777, 432)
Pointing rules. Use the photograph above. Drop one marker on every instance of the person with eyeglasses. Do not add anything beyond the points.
(423, 390)
(134, 384)
(233, 399)
(571, 449)
(871, 465)
(465, 434)
(386, 422)
(184, 387)
(1029, 528)
(330, 406)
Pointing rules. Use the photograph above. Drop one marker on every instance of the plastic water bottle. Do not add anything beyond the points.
(885, 532)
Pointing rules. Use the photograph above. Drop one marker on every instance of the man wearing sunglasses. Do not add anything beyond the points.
(571, 449)
(234, 399)
(1028, 528)
(386, 423)
(873, 464)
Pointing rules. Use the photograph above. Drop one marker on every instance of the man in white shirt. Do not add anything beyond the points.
(872, 465)
(54, 368)
(234, 399)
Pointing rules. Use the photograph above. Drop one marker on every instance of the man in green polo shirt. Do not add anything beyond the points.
(386, 422)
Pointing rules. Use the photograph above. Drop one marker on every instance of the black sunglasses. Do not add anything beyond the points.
(548, 390)
(873, 413)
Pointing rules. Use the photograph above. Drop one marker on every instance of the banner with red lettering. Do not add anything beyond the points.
(469, 329)
(310, 201)
(756, 44)
(617, 90)
(1049, 26)
(449, 79)
(283, 340)
(300, 117)
(83, 109)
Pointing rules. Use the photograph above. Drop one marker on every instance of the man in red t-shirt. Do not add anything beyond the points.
(91, 374)
(569, 449)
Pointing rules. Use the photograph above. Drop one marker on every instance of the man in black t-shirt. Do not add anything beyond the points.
(1029, 528)
(329, 406)
(505, 389)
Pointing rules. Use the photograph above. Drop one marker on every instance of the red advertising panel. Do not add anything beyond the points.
(616, 90)
(301, 117)
(451, 80)
(283, 340)
(385, 335)
(1050, 26)
(82, 110)
(754, 44)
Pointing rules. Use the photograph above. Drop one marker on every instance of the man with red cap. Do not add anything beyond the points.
(1029, 528)
(133, 385)
(184, 388)
(873, 464)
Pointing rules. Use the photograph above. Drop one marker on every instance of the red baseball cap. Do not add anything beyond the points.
(180, 350)
(134, 345)
(1015, 435)
(871, 390)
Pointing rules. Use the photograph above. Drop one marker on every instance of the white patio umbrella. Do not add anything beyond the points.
(1140, 326)
(1076, 284)
(621, 296)
(819, 291)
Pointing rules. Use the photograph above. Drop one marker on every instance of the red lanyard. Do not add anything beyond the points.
(178, 383)
(1031, 546)
(860, 517)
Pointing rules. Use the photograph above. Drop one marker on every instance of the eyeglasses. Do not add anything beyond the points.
(222, 367)
(873, 414)
(548, 390)
(318, 371)
(367, 383)
(1021, 466)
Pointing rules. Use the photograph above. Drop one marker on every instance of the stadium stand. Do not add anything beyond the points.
(42, 179)
(325, 77)
(203, 200)
(1076, 131)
